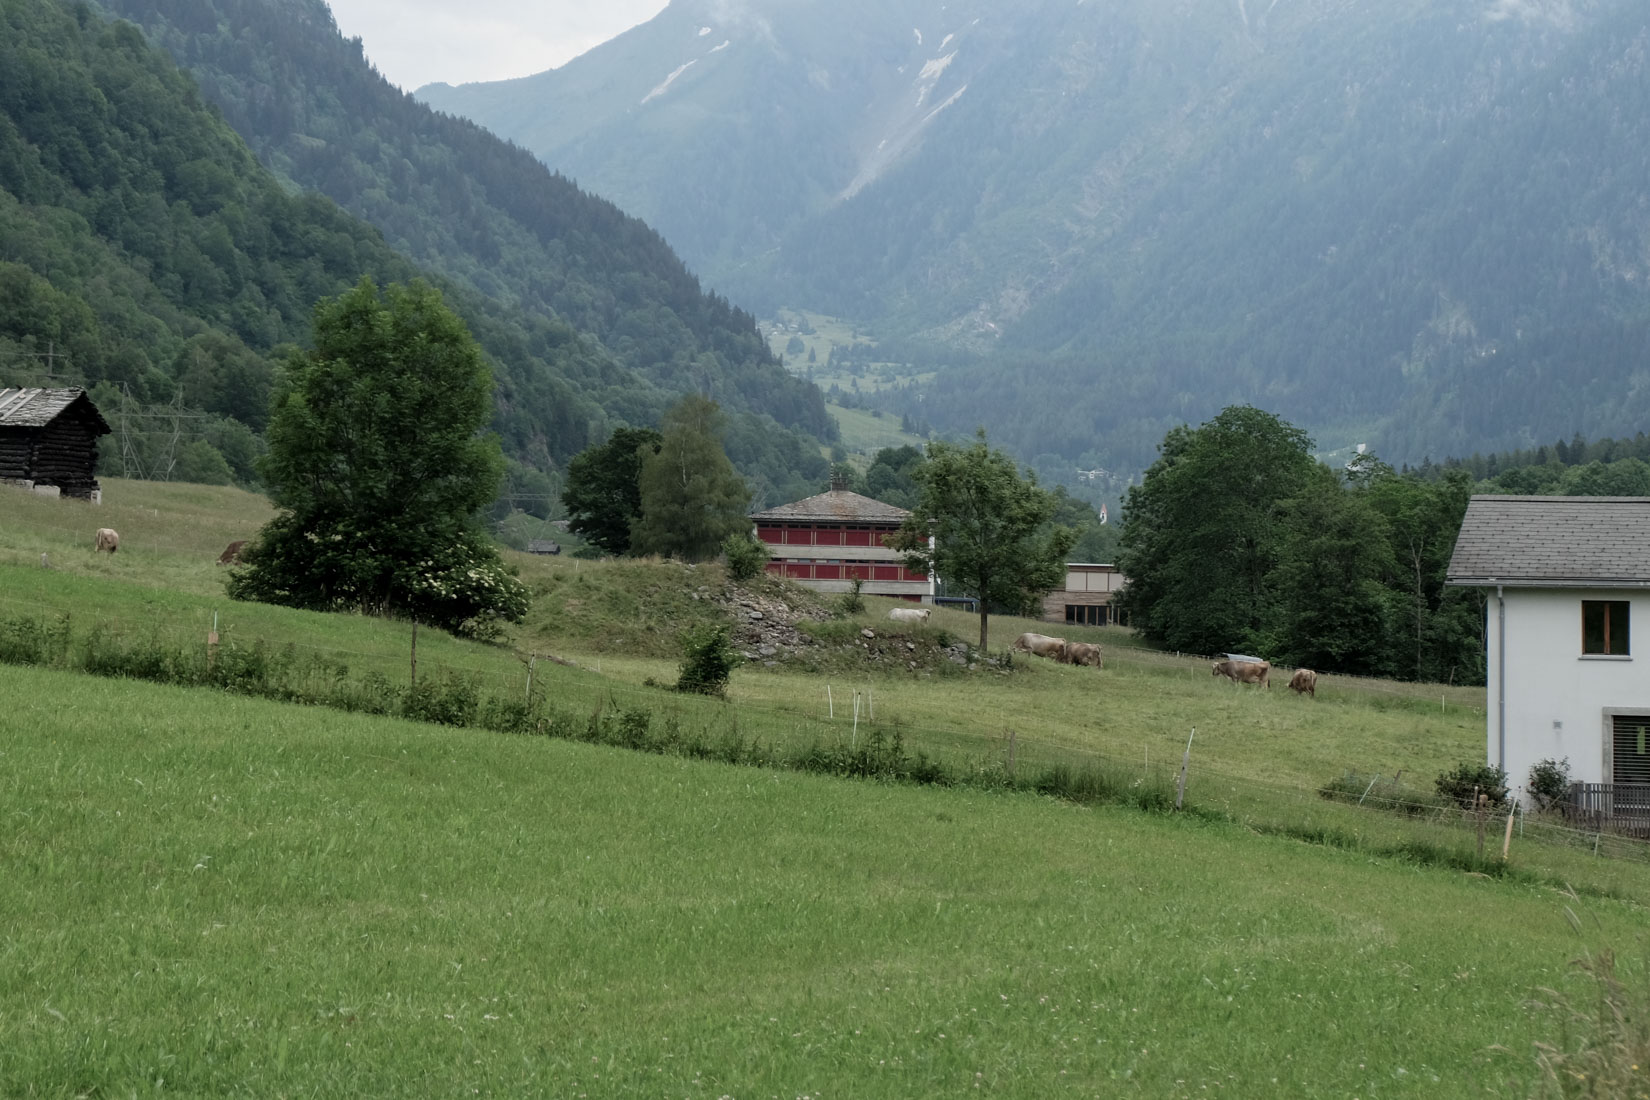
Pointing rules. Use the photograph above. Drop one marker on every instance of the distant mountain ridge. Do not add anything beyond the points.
(1416, 223)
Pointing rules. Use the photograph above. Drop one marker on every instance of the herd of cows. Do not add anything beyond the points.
(1239, 670)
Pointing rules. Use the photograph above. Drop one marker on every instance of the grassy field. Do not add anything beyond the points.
(864, 434)
(206, 895)
(1258, 756)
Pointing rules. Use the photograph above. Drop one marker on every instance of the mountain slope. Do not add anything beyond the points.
(1363, 215)
(463, 203)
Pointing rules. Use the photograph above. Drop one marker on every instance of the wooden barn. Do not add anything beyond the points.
(48, 441)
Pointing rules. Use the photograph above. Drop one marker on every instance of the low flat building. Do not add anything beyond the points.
(826, 541)
(1086, 600)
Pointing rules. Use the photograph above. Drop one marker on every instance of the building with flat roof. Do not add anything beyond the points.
(1086, 600)
(826, 541)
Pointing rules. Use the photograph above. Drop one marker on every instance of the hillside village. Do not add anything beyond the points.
(448, 647)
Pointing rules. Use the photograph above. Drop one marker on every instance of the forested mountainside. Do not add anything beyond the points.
(142, 243)
(1414, 223)
(464, 203)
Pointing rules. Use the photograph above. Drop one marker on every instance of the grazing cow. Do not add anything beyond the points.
(910, 614)
(107, 539)
(1083, 653)
(232, 553)
(1304, 682)
(1041, 645)
(1245, 672)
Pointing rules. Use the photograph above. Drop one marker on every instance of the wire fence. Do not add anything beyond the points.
(1388, 815)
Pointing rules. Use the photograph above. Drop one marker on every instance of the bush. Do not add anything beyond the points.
(852, 602)
(1459, 784)
(1550, 782)
(708, 659)
(746, 556)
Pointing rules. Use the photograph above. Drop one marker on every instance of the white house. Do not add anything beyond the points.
(1568, 580)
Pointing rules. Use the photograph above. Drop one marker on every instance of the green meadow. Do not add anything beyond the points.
(207, 894)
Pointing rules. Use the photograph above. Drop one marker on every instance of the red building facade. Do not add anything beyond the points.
(826, 541)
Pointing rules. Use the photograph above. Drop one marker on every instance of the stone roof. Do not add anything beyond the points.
(35, 408)
(1553, 542)
(835, 506)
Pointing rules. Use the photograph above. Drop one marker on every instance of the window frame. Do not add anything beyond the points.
(1608, 628)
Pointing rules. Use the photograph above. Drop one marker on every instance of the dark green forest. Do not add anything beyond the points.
(1238, 540)
(145, 252)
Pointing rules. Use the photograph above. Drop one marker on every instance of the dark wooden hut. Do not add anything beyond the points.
(48, 439)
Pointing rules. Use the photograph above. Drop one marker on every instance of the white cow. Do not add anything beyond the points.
(910, 614)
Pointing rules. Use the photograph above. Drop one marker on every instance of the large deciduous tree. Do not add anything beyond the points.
(992, 530)
(379, 468)
(691, 496)
(603, 493)
(1203, 532)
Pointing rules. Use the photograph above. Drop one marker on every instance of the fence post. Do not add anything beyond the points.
(532, 660)
(1185, 762)
(415, 652)
(830, 704)
(1506, 842)
(1369, 788)
(1012, 738)
(1479, 802)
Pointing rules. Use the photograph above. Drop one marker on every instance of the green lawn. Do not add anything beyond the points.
(207, 895)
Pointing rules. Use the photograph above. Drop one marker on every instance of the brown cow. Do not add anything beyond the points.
(1245, 672)
(107, 539)
(232, 553)
(1041, 645)
(1304, 682)
(1083, 653)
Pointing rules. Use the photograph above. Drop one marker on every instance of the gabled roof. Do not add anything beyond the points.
(35, 408)
(1553, 542)
(835, 506)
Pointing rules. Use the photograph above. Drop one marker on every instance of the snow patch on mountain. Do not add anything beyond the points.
(659, 88)
(934, 68)
(952, 98)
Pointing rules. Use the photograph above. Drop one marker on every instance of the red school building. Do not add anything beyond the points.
(825, 541)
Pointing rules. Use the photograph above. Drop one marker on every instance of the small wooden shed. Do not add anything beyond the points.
(48, 441)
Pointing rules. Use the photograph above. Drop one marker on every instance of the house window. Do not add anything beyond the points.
(1630, 748)
(1604, 627)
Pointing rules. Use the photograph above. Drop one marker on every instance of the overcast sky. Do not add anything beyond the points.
(417, 42)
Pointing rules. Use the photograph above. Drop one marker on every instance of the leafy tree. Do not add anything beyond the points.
(993, 534)
(1331, 600)
(1202, 535)
(691, 497)
(376, 462)
(708, 660)
(603, 493)
(890, 476)
(746, 555)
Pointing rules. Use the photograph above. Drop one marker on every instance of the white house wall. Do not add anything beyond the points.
(1557, 699)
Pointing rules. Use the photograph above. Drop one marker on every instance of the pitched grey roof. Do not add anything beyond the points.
(1553, 542)
(35, 408)
(836, 506)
